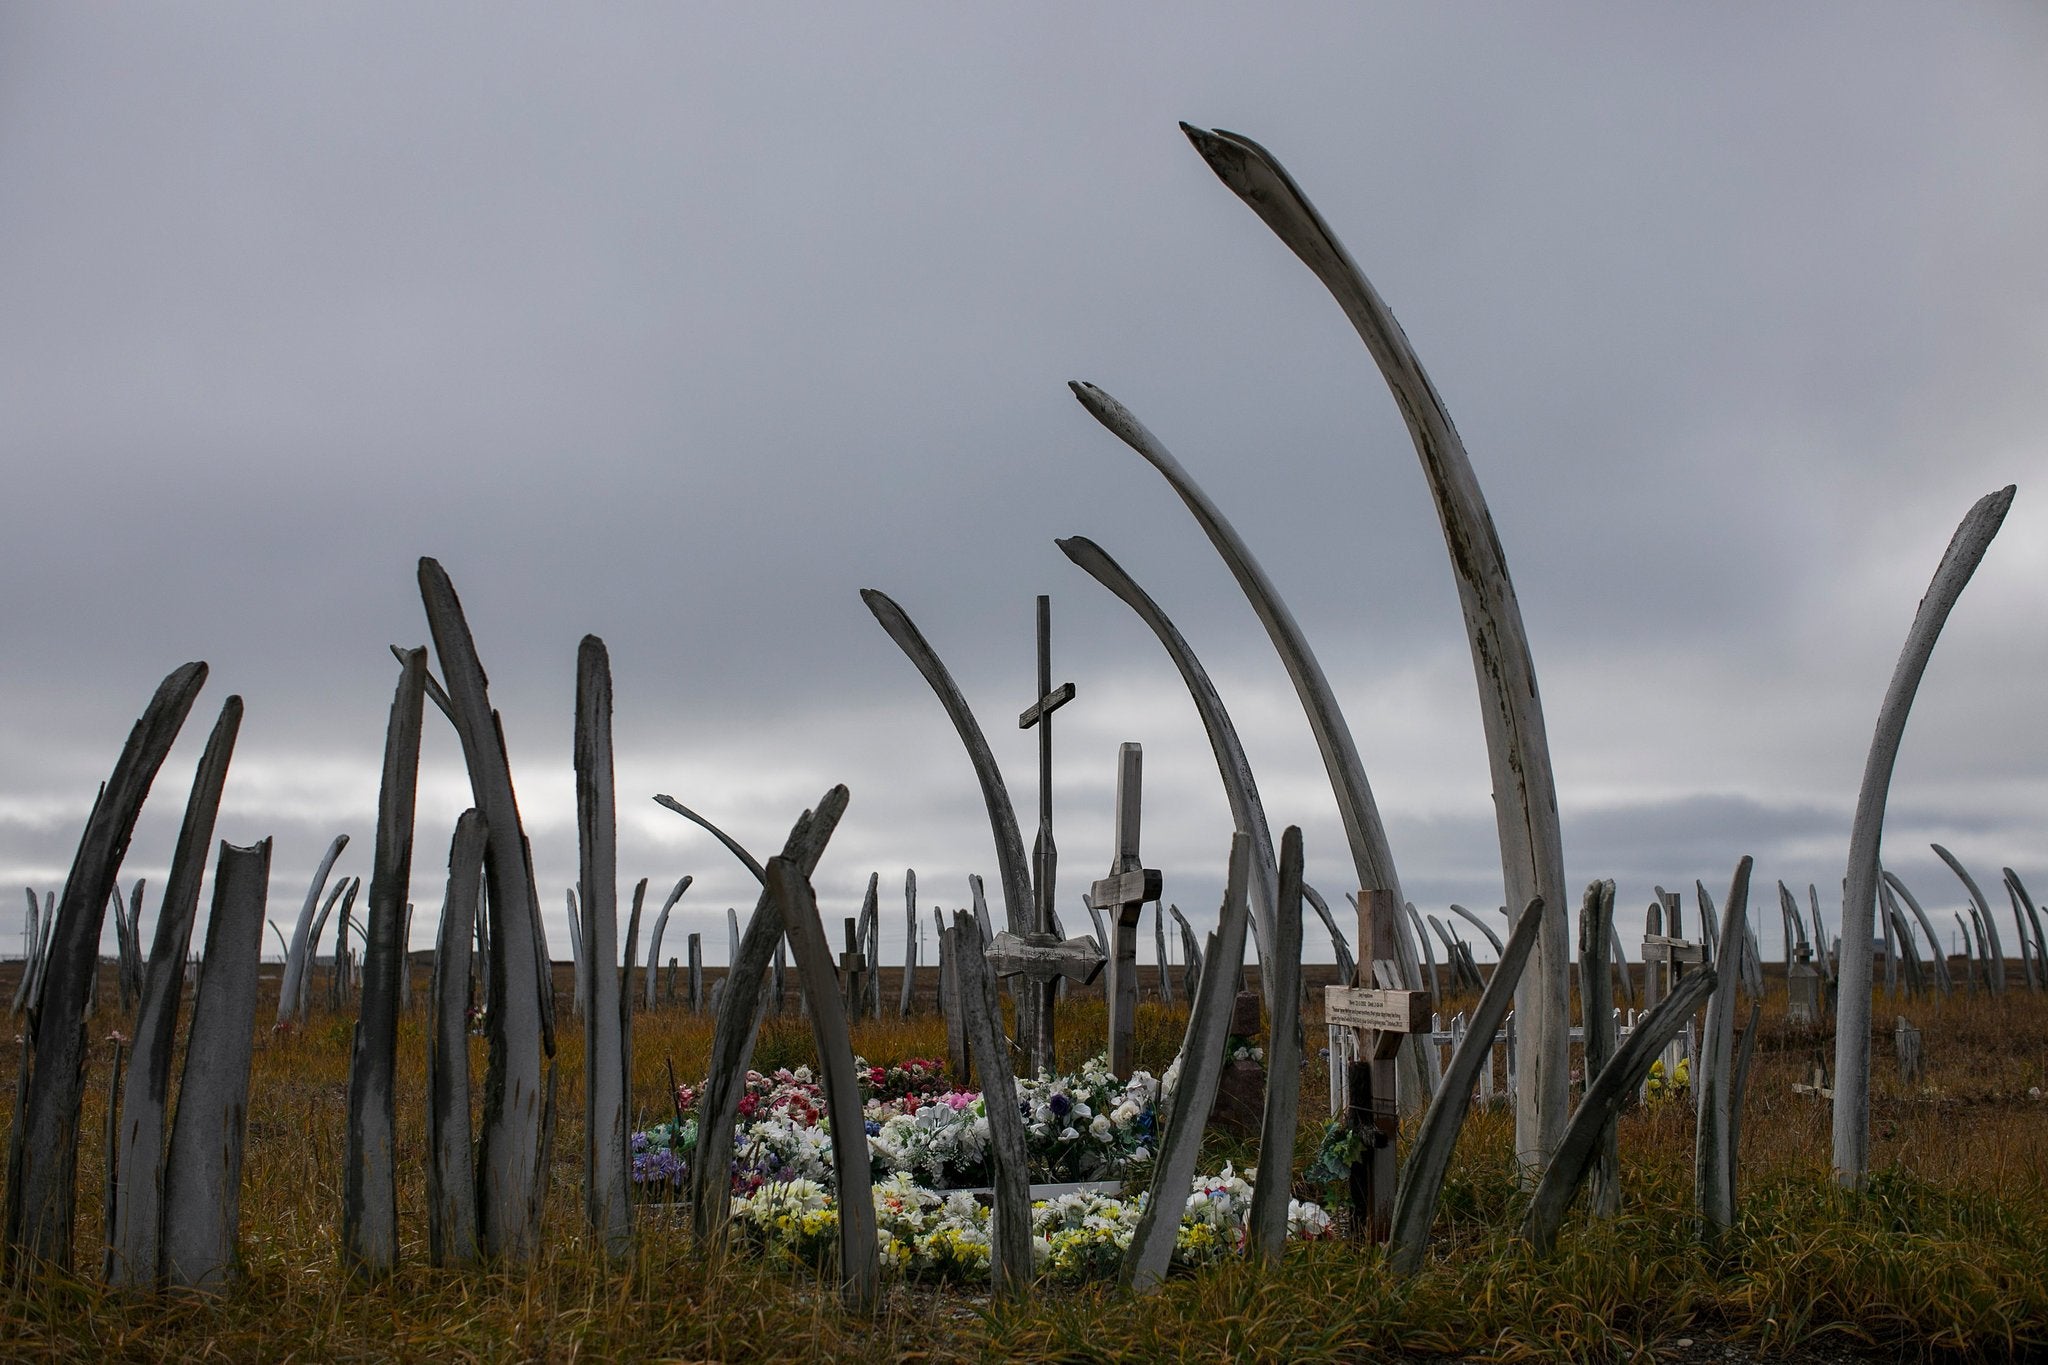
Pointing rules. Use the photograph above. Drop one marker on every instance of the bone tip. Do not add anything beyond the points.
(1093, 398)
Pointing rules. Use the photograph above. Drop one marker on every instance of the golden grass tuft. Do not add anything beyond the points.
(1945, 1255)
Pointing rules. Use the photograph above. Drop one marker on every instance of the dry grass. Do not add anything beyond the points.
(1946, 1255)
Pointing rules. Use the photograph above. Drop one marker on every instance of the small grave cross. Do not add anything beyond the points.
(1045, 858)
(852, 970)
(1667, 955)
(1816, 1084)
(1045, 960)
(1385, 1018)
(1123, 894)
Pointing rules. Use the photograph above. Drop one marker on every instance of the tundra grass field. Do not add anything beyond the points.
(1943, 1256)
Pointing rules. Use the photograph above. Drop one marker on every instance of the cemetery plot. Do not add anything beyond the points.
(1122, 1153)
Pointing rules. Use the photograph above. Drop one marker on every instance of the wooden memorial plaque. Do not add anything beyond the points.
(1400, 1012)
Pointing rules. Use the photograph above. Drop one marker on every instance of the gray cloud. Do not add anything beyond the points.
(681, 326)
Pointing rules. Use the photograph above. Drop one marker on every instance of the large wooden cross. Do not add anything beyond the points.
(1123, 894)
(1384, 1018)
(1045, 857)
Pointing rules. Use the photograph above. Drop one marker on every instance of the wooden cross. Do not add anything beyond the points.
(1045, 858)
(852, 970)
(1385, 1018)
(1665, 958)
(1123, 893)
(1666, 955)
(1046, 960)
(1816, 1084)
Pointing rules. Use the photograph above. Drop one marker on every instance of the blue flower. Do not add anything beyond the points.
(874, 1127)
(1060, 1105)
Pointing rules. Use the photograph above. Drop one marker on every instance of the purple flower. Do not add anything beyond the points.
(1060, 1105)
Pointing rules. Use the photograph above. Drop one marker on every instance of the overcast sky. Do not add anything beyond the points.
(680, 325)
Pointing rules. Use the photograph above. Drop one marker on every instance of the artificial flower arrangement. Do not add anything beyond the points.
(933, 1235)
(928, 1146)
(1659, 1087)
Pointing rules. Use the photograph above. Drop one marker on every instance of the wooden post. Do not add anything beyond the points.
(1596, 912)
(369, 1204)
(298, 962)
(1159, 932)
(850, 990)
(906, 999)
(860, 1266)
(203, 1168)
(42, 1191)
(654, 939)
(1201, 1064)
(607, 1111)
(1714, 1147)
(1123, 894)
(867, 942)
(520, 1015)
(696, 951)
(1190, 955)
(739, 1021)
(1268, 1222)
(957, 1062)
(1010, 1233)
(451, 1172)
(136, 1224)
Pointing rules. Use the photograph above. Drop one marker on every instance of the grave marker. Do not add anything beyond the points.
(1123, 894)
(1045, 960)
(1802, 986)
(1385, 1019)
(1666, 956)
(1045, 856)
(1906, 1039)
(851, 966)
